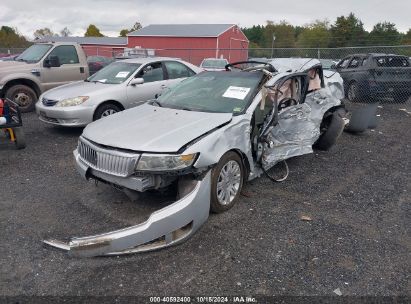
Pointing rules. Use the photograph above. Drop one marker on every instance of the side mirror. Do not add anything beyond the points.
(333, 67)
(136, 81)
(52, 61)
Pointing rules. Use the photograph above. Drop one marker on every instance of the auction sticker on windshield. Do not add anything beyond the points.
(122, 74)
(236, 92)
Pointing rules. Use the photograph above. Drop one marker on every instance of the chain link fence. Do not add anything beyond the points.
(370, 74)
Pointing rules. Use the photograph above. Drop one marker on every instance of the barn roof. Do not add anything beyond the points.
(120, 41)
(183, 30)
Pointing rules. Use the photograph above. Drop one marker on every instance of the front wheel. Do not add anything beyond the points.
(106, 109)
(226, 182)
(331, 128)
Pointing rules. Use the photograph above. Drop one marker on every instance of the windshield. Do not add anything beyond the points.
(115, 73)
(220, 92)
(34, 53)
(214, 63)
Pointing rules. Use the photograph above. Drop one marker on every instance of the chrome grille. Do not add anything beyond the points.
(106, 160)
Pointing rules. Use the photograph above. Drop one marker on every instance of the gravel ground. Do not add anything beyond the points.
(357, 195)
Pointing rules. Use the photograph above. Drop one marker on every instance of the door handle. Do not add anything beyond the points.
(81, 70)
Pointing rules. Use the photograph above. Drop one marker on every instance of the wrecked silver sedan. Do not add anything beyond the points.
(207, 136)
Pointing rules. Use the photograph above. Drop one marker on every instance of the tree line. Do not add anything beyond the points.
(11, 38)
(346, 31)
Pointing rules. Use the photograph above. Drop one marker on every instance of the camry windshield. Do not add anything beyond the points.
(214, 63)
(34, 53)
(221, 92)
(115, 73)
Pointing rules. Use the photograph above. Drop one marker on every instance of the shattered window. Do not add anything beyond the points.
(392, 61)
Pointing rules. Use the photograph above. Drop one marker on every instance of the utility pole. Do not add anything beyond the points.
(272, 46)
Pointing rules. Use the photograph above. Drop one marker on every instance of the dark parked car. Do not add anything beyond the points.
(369, 76)
(96, 63)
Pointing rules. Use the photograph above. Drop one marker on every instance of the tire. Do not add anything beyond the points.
(332, 127)
(229, 173)
(105, 110)
(24, 96)
(353, 92)
(20, 140)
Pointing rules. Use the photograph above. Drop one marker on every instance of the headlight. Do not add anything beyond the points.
(69, 102)
(158, 162)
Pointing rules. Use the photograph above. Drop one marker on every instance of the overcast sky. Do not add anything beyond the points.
(110, 16)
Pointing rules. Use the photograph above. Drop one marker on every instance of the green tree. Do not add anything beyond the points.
(348, 31)
(124, 32)
(44, 32)
(384, 33)
(315, 35)
(136, 27)
(93, 31)
(283, 33)
(10, 38)
(255, 35)
(406, 39)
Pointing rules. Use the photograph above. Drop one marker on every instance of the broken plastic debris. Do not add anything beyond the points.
(306, 218)
(338, 292)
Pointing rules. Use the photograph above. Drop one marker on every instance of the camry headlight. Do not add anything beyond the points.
(161, 162)
(69, 102)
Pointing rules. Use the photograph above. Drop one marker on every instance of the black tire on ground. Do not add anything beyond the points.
(106, 109)
(353, 92)
(24, 96)
(226, 178)
(332, 127)
(20, 140)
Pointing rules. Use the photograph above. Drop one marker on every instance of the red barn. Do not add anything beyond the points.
(192, 42)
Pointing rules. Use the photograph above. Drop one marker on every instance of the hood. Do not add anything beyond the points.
(8, 67)
(78, 88)
(153, 129)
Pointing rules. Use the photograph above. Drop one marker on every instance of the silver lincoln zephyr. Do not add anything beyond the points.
(207, 136)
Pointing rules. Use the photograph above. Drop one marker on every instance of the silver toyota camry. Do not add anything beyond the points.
(207, 136)
(119, 86)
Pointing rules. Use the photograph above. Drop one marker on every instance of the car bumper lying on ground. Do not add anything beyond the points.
(165, 227)
(76, 116)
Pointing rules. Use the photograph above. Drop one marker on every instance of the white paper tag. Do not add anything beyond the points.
(122, 74)
(236, 92)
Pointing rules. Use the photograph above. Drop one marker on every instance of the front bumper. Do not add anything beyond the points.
(77, 116)
(165, 227)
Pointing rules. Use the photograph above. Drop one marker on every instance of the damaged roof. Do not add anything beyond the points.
(183, 30)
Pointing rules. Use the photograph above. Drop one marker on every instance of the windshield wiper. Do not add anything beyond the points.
(157, 103)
